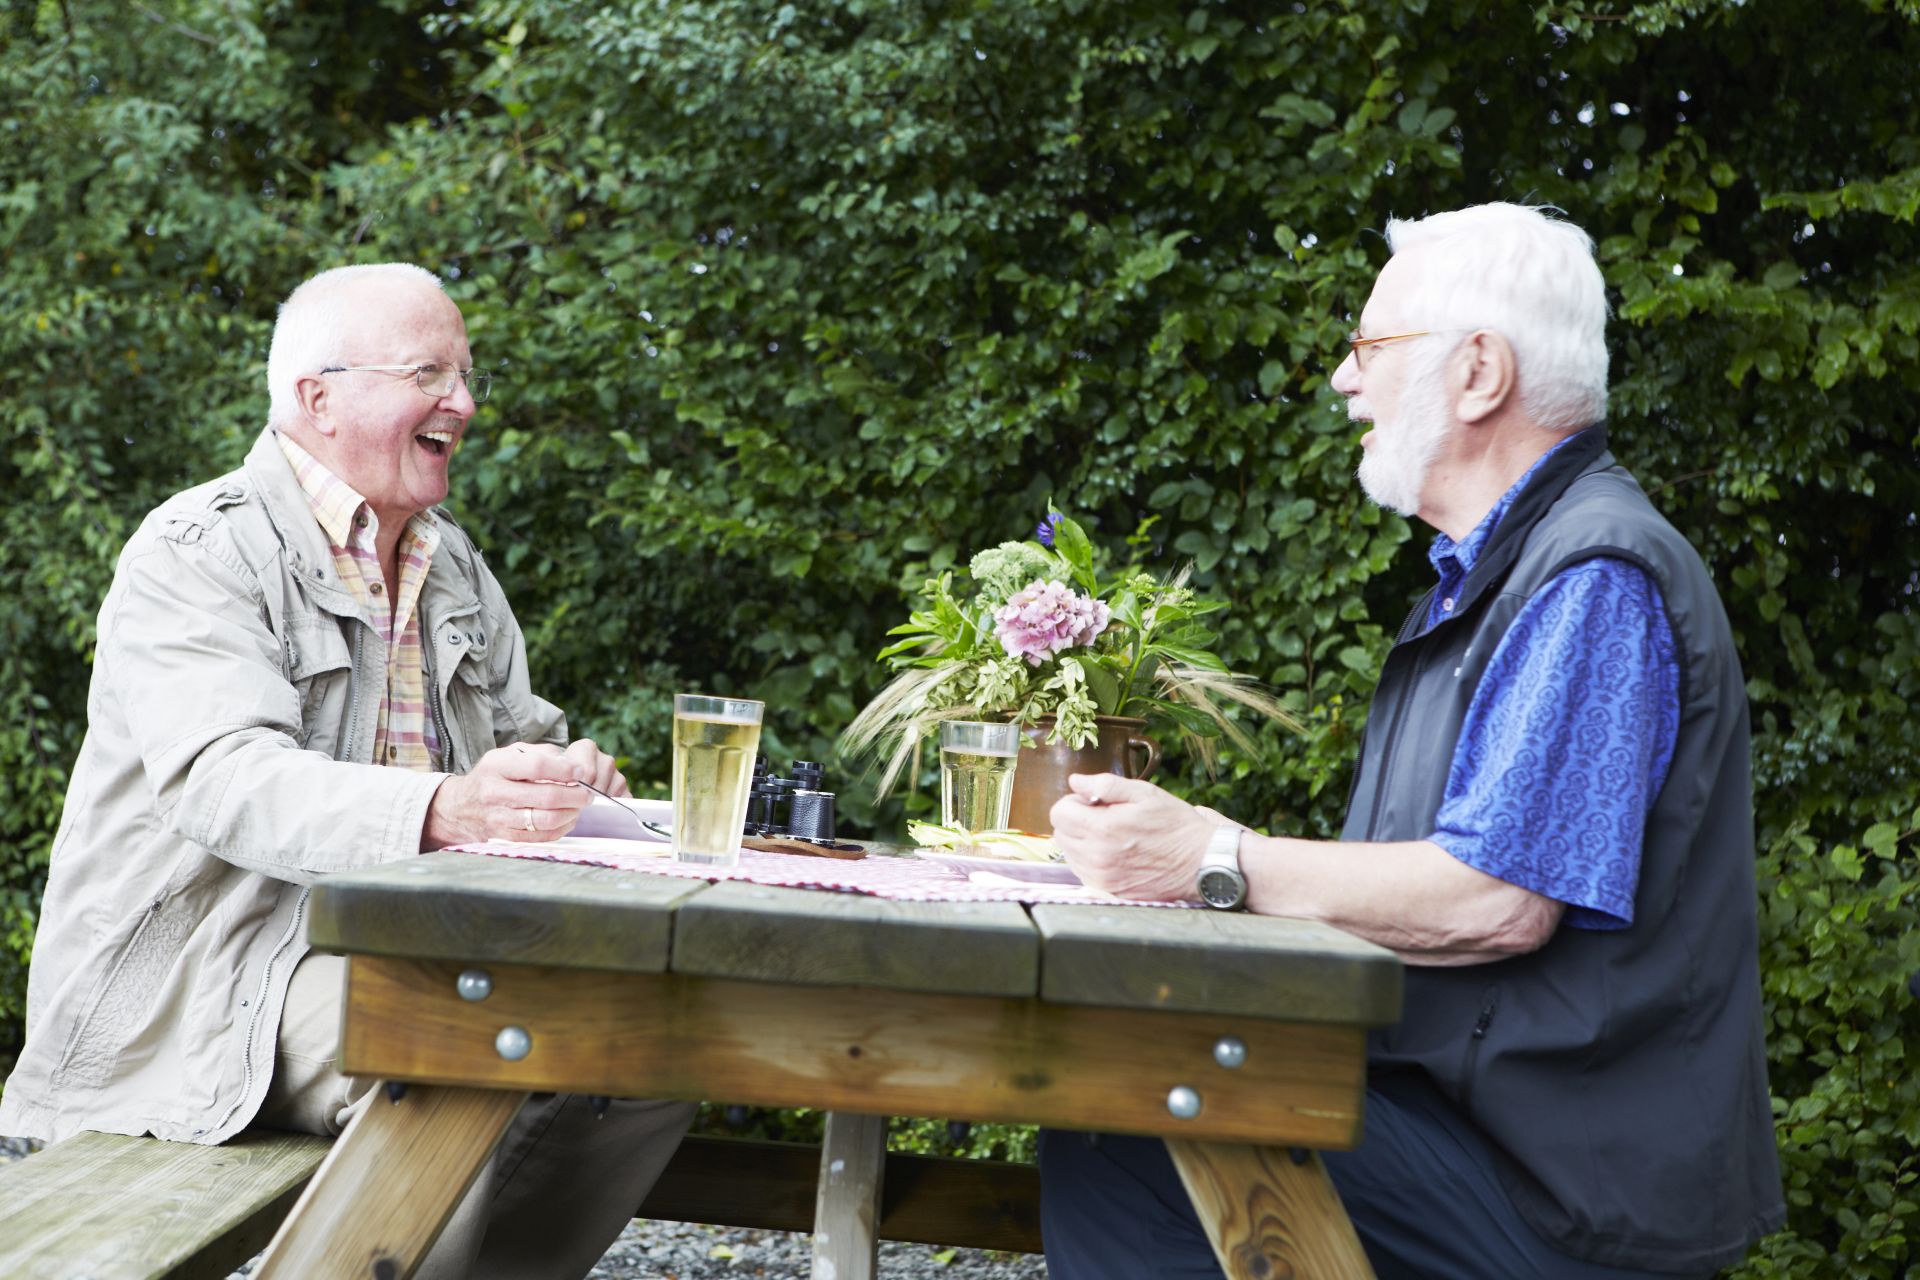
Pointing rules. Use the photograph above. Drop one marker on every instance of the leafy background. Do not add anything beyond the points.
(796, 304)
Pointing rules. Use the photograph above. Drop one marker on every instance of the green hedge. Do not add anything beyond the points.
(795, 304)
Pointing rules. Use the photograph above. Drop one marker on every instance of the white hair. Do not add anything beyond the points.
(1528, 277)
(314, 322)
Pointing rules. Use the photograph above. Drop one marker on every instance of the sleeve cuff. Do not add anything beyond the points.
(1588, 905)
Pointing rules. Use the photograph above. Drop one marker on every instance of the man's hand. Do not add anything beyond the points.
(1130, 837)
(519, 792)
(601, 770)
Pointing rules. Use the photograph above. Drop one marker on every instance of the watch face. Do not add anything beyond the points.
(1220, 887)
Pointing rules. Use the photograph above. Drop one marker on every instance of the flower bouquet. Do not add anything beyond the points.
(1043, 635)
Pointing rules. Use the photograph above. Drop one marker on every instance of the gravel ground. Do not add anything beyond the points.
(683, 1251)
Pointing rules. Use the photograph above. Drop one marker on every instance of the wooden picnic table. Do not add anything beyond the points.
(477, 980)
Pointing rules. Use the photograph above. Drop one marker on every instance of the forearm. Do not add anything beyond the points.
(1411, 897)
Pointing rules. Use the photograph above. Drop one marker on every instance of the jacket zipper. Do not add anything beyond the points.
(260, 1007)
(433, 704)
(1489, 1000)
(353, 694)
(341, 751)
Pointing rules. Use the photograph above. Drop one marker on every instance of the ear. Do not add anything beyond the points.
(1489, 376)
(312, 393)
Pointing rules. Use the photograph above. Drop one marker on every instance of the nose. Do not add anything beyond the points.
(1346, 378)
(459, 402)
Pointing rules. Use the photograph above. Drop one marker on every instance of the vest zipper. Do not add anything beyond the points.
(1489, 1000)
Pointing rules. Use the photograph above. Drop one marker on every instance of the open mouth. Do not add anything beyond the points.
(436, 443)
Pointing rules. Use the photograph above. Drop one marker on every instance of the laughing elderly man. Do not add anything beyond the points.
(304, 667)
(1551, 824)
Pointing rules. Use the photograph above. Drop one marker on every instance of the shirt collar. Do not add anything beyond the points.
(335, 503)
(339, 507)
(1463, 553)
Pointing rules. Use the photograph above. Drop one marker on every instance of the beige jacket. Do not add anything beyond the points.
(227, 766)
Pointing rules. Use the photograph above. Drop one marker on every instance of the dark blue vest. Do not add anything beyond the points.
(1620, 1074)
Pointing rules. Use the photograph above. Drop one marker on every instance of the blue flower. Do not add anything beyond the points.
(1044, 530)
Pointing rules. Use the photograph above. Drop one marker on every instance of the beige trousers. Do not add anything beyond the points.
(560, 1189)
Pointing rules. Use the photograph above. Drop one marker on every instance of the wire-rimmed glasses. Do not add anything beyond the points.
(434, 380)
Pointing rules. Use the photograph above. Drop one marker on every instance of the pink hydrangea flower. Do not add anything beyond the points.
(1044, 617)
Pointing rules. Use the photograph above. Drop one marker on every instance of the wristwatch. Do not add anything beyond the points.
(1222, 884)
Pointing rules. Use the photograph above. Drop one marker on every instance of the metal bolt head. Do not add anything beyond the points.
(513, 1043)
(1183, 1102)
(474, 984)
(1230, 1051)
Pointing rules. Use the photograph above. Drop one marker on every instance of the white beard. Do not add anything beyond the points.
(1394, 471)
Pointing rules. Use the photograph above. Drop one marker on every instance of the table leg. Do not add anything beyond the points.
(1268, 1217)
(379, 1200)
(846, 1213)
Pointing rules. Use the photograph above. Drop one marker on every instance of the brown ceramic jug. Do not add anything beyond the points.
(1041, 776)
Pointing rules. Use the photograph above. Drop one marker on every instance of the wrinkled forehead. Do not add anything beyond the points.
(401, 322)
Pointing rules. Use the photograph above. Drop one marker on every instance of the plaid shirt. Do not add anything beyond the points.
(404, 735)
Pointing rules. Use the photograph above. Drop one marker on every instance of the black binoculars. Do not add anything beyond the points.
(809, 809)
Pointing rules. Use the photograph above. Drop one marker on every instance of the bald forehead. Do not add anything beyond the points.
(403, 321)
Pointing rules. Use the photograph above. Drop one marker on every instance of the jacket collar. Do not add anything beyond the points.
(309, 558)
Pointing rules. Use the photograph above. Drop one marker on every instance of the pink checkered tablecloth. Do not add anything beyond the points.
(910, 878)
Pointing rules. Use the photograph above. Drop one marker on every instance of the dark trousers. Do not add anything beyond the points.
(1421, 1190)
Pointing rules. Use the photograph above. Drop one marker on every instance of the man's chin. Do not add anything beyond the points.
(1388, 490)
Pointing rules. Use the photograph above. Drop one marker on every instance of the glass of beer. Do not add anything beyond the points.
(977, 760)
(714, 744)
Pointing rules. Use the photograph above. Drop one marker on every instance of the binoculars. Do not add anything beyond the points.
(809, 809)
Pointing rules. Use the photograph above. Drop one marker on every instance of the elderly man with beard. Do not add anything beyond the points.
(304, 667)
(1551, 824)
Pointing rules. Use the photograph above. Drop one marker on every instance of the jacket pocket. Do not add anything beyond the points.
(1470, 1065)
(122, 999)
(469, 708)
(320, 666)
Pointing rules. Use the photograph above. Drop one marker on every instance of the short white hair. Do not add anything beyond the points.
(1528, 277)
(311, 331)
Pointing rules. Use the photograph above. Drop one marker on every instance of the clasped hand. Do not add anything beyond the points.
(526, 791)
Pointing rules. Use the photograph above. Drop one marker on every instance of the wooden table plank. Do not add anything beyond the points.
(464, 906)
(857, 1049)
(749, 931)
(1215, 962)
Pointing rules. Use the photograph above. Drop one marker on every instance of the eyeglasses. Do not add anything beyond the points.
(435, 380)
(1361, 346)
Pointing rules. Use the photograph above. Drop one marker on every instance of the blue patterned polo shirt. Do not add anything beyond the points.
(1569, 735)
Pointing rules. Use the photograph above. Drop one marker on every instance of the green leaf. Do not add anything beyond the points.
(1073, 546)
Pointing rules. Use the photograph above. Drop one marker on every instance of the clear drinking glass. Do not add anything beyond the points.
(715, 741)
(977, 760)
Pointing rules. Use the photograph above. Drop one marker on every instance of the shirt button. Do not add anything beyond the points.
(359, 522)
(1447, 604)
(393, 752)
(380, 589)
